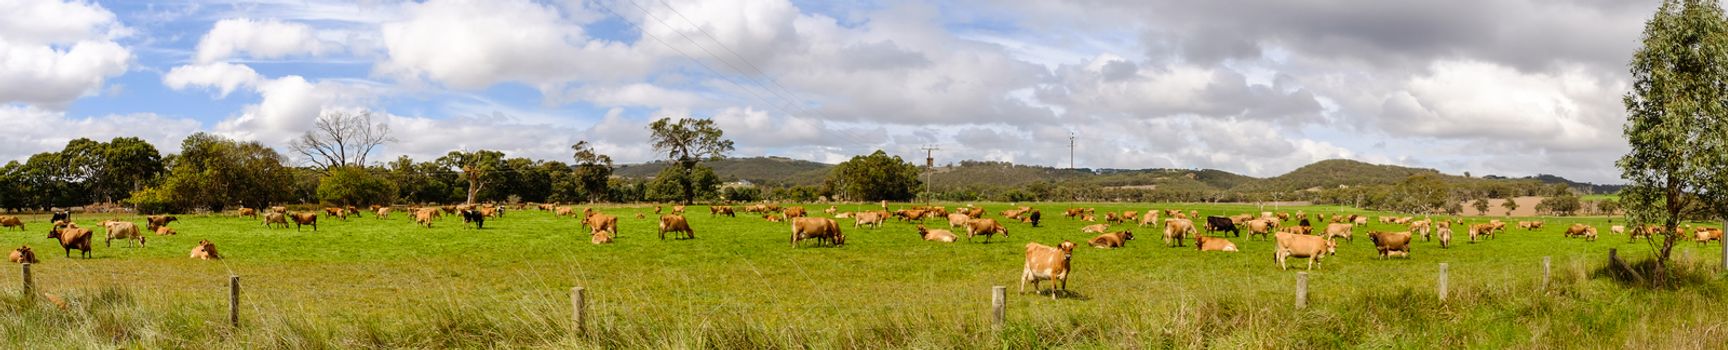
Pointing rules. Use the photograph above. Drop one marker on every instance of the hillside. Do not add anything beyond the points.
(1333, 173)
(767, 170)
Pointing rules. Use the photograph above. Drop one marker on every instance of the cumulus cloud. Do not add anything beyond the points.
(223, 77)
(471, 44)
(52, 62)
(260, 39)
(31, 130)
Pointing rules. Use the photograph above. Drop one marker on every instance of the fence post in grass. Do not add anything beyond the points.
(1547, 262)
(999, 306)
(1442, 282)
(579, 309)
(234, 300)
(1724, 243)
(1302, 290)
(29, 286)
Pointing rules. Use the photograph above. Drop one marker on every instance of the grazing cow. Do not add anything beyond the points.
(1213, 244)
(245, 212)
(1498, 225)
(11, 221)
(279, 209)
(564, 211)
(943, 236)
(473, 216)
(72, 237)
(1175, 229)
(1299, 230)
(1095, 228)
(1422, 227)
(1047, 263)
(125, 230)
(424, 216)
(1481, 230)
(1341, 230)
(61, 215)
(1237, 219)
(154, 221)
(382, 213)
(1445, 236)
(820, 229)
(23, 255)
(794, 212)
(205, 251)
(1706, 234)
(985, 227)
(957, 219)
(1034, 217)
(1111, 240)
(727, 211)
(675, 223)
(872, 219)
(1111, 218)
(1261, 227)
(1617, 229)
(1391, 243)
(304, 219)
(166, 231)
(1530, 225)
(336, 212)
(275, 218)
(599, 222)
(1581, 230)
(1219, 223)
(1151, 217)
(1073, 213)
(657, 210)
(1302, 246)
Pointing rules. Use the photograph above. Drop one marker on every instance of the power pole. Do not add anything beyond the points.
(929, 170)
(1070, 151)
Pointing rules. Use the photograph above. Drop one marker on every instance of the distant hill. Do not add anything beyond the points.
(1323, 174)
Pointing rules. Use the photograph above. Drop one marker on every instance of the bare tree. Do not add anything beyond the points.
(342, 139)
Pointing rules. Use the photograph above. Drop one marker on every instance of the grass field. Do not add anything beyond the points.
(367, 283)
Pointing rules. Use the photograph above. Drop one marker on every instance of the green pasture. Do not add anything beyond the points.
(369, 283)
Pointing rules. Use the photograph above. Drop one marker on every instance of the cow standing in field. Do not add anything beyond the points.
(1341, 230)
(871, 219)
(986, 228)
(1151, 217)
(676, 224)
(12, 221)
(1706, 234)
(1219, 223)
(249, 212)
(124, 230)
(820, 229)
(1261, 227)
(472, 216)
(957, 220)
(304, 219)
(1034, 217)
(1481, 230)
(72, 237)
(1422, 227)
(154, 221)
(1111, 240)
(424, 216)
(1046, 263)
(1445, 236)
(273, 218)
(943, 236)
(599, 222)
(61, 215)
(382, 213)
(1581, 230)
(1301, 246)
(1175, 229)
(1390, 244)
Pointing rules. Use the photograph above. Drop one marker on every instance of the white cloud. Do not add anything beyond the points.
(470, 44)
(289, 106)
(30, 130)
(224, 77)
(260, 39)
(54, 52)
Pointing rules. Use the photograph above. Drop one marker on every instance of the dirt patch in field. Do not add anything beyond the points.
(1526, 207)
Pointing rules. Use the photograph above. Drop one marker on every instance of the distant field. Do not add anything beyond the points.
(366, 283)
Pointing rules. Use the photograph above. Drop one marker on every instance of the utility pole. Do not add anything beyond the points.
(929, 170)
(1070, 150)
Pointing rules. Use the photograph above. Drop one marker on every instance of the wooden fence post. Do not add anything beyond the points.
(1724, 244)
(1302, 290)
(1442, 282)
(29, 285)
(998, 306)
(579, 309)
(234, 300)
(1547, 262)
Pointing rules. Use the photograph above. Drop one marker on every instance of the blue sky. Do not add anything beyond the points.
(1258, 87)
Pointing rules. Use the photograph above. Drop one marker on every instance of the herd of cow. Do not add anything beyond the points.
(1043, 263)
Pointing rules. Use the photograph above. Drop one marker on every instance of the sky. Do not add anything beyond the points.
(1257, 87)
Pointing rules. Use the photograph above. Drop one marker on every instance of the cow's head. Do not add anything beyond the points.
(1067, 249)
(1331, 247)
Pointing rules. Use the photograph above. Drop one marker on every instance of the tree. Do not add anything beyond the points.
(477, 167)
(1511, 204)
(686, 143)
(213, 172)
(340, 139)
(591, 172)
(1481, 205)
(1675, 120)
(875, 177)
(351, 185)
(1560, 205)
(1608, 206)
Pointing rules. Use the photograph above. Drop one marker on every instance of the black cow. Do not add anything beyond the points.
(473, 216)
(1219, 223)
(1035, 216)
(61, 216)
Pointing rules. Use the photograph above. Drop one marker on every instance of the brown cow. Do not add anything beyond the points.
(1261, 227)
(1302, 246)
(602, 223)
(867, 218)
(1530, 225)
(125, 230)
(1047, 263)
(1213, 244)
(205, 251)
(1341, 230)
(275, 218)
(600, 238)
(794, 212)
(1391, 243)
(1445, 236)
(820, 229)
(1111, 240)
(382, 213)
(245, 212)
(1706, 234)
(72, 237)
(23, 255)
(424, 216)
(154, 221)
(1581, 230)
(773, 217)
(1151, 217)
(1095, 228)
(305, 219)
(936, 235)
(1422, 227)
(1481, 230)
(11, 221)
(166, 231)
(1175, 229)
(957, 219)
(986, 227)
(675, 223)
